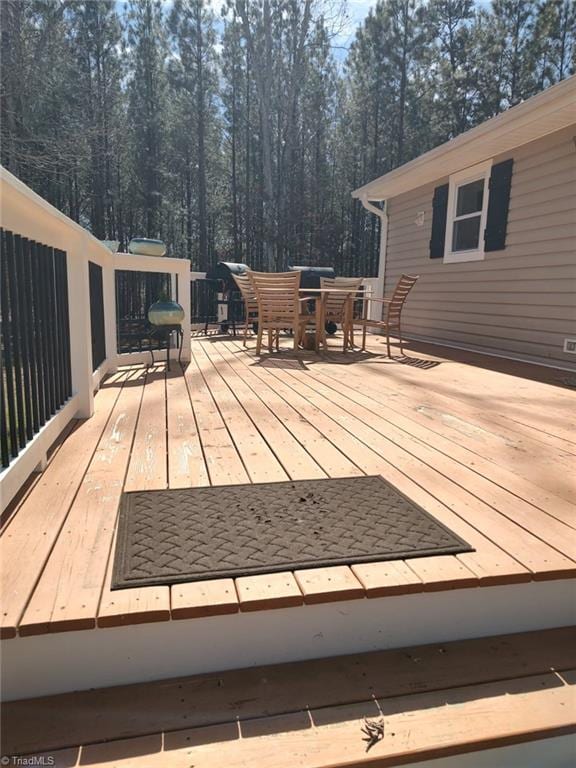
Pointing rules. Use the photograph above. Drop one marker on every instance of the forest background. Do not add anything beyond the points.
(236, 130)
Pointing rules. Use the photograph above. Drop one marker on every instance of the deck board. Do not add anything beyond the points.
(419, 727)
(223, 462)
(186, 464)
(147, 470)
(493, 474)
(203, 598)
(245, 695)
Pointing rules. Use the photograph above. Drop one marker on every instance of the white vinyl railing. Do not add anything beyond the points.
(25, 213)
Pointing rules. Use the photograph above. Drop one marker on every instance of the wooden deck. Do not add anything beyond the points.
(486, 446)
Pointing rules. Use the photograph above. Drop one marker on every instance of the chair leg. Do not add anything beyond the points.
(245, 341)
(388, 343)
(270, 347)
(277, 332)
(363, 338)
(321, 324)
(259, 339)
(297, 334)
(348, 328)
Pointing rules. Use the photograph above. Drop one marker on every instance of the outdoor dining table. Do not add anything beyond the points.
(320, 296)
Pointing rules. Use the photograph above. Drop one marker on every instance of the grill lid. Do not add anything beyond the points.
(311, 275)
(224, 270)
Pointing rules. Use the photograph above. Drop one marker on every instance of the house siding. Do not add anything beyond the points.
(520, 301)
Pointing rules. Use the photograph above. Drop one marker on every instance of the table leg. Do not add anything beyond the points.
(322, 320)
(168, 337)
(320, 312)
(348, 332)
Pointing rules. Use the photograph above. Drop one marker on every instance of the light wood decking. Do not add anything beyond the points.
(435, 700)
(490, 454)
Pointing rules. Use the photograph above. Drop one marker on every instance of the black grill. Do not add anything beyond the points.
(218, 289)
(311, 275)
(225, 271)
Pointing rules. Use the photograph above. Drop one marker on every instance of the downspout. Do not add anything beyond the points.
(382, 214)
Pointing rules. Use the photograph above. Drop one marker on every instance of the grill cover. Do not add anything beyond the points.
(311, 275)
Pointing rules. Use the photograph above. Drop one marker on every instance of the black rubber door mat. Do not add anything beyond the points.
(192, 534)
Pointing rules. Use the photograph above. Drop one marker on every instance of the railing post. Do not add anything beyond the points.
(184, 301)
(80, 331)
(109, 284)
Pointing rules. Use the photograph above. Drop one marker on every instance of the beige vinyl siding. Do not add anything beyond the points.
(520, 301)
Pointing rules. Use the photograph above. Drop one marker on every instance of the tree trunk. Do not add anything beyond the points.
(201, 117)
(262, 67)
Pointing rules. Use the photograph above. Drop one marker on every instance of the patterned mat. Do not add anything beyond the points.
(191, 534)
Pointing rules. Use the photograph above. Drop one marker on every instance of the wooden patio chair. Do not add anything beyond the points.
(336, 305)
(250, 301)
(279, 306)
(393, 307)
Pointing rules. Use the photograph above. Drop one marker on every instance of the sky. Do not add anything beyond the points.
(357, 10)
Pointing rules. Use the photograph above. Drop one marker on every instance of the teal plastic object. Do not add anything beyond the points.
(165, 312)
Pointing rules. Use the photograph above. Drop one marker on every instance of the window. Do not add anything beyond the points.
(466, 221)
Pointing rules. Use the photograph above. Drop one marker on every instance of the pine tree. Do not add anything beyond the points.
(554, 42)
(193, 84)
(514, 23)
(95, 79)
(41, 140)
(451, 28)
(147, 109)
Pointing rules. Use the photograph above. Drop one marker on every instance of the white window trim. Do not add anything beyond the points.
(474, 173)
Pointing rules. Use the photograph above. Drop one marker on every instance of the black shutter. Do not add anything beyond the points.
(498, 203)
(439, 213)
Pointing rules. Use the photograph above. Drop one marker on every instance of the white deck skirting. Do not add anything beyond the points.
(67, 661)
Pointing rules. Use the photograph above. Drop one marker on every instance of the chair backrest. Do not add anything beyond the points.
(277, 295)
(336, 302)
(403, 288)
(245, 288)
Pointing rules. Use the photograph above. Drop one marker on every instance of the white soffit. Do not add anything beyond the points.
(544, 113)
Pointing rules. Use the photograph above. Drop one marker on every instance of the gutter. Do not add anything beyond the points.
(383, 216)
